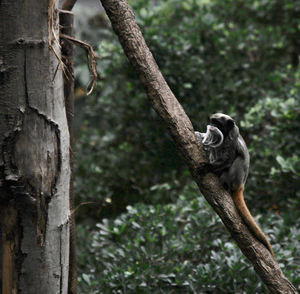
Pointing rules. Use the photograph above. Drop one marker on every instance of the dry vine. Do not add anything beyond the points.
(91, 58)
(53, 38)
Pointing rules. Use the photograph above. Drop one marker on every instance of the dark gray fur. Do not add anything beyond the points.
(230, 161)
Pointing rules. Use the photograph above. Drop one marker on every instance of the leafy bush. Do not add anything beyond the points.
(275, 162)
(177, 248)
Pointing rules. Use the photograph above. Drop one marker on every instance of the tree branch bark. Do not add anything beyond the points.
(181, 129)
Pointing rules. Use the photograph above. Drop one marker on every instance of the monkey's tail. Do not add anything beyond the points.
(238, 198)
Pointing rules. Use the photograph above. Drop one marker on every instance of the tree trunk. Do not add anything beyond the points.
(181, 129)
(34, 161)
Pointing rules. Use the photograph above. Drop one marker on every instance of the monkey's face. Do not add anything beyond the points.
(223, 122)
(213, 137)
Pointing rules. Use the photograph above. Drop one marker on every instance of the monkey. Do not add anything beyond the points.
(229, 159)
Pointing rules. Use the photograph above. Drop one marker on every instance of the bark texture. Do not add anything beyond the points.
(181, 129)
(66, 21)
(34, 156)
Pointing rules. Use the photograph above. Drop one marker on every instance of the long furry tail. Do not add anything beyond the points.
(238, 198)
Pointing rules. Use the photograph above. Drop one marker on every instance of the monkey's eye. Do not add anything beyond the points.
(215, 122)
(230, 123)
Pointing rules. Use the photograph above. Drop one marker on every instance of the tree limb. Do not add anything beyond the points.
(181, 129)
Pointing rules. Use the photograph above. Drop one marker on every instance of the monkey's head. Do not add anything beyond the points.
(225, 124)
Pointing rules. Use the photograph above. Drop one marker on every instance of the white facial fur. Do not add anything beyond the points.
(213, 137)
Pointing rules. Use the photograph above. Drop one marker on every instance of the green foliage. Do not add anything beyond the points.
(216, 55)
(177, 248)
(274, 125)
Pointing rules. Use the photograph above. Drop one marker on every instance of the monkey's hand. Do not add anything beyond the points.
(204, 168)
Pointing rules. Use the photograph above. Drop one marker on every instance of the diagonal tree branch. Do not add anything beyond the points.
(181, 129)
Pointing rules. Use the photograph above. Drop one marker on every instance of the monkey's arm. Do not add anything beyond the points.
(217, 166)
(218, 160)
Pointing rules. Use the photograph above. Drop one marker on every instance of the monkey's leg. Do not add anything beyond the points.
(238, 198)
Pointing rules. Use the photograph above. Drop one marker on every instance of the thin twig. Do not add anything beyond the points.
(81, 204)
(91, 58)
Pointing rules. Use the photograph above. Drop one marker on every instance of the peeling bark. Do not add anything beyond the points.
(181, 129)
(34, 157)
